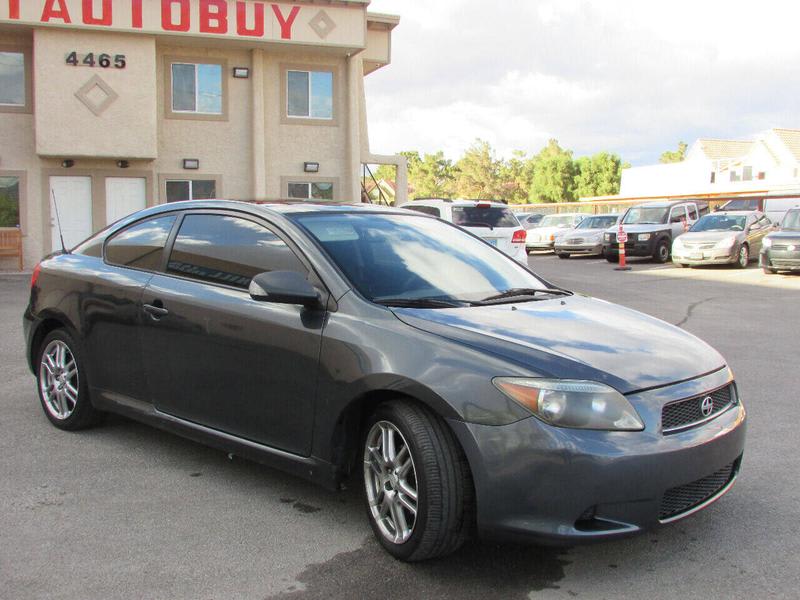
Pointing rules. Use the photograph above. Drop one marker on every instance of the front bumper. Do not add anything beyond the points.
(713, 256)
(780, 260)
(635, 248)
(544, 484)
(561, 248)
(544, 245)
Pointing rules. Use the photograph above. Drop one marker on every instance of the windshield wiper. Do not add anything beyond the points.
(418, 303)
(519, 292)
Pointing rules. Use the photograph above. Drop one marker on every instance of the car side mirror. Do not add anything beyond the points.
(284, 287)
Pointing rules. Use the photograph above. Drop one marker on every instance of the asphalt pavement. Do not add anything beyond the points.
(126, 511)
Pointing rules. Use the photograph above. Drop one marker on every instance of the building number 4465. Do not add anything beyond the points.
(118, 61)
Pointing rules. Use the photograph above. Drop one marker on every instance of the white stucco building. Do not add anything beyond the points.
(768, 162)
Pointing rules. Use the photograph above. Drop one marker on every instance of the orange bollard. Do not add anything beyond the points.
(622, 237)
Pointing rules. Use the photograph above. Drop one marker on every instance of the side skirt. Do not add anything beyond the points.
(310, 468)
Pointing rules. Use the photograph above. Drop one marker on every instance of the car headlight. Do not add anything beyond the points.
(766, 243)
(727, 242)
(643, 237)
(607, 237)
(677, 242)
(572, 403)
(598, 237)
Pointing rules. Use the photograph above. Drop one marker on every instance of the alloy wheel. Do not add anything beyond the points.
(58, 380)
(391, 482)
(744, 257)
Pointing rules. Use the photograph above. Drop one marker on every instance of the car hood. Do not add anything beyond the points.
(643, 228)
(549, 230)
(710, 236)
(576, 338)
(785, 236)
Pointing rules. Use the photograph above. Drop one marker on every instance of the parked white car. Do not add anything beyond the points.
(493, 222)
(543, 236)
(587, 237)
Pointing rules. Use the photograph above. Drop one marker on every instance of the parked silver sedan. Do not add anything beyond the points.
(587, 237)
(724, 237)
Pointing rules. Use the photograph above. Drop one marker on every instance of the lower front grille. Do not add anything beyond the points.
(682, 499)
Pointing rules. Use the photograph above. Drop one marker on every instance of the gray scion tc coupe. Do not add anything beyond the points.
(466, 394)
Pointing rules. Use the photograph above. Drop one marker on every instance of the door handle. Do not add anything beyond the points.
(155, 312)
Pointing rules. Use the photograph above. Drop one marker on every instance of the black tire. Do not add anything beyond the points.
(662, 252)
(445, 514)
(83, 415)
(742, 257)
(681, 265)
(563, 255)
(770, 271)
(612, 257)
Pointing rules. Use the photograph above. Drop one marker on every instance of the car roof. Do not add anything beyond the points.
(456, 202)
(573, 214)
(278, 207)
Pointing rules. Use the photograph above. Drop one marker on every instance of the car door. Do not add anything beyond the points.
(111, 307)
(756, 233)
(217, 357)
(678, 220)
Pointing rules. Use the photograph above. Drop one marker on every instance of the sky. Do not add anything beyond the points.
(633, 77)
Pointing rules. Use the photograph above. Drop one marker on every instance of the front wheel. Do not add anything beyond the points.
(744, 257)
(770, 271)
(418, 488)
(61, 380)
(661, 253)
(563, 255)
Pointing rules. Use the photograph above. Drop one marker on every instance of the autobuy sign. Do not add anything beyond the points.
(337, 25)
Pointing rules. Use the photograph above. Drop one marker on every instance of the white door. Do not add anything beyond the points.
(74, 197)
(124, 196)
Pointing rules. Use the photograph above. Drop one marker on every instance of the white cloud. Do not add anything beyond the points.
(627, 76)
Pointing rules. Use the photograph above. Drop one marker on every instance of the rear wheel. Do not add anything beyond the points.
(61, 379)
(418, 488)
(661, 253)
(744, 257)
(612, 257)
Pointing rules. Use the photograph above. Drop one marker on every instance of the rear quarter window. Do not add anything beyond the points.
(473, 216)
(428, 210)
(140, 246)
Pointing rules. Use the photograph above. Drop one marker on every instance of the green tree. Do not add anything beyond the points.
(674, 156)
(553, 174)
(432, 176)
(477, 173)
(516, 176)
(597, 175)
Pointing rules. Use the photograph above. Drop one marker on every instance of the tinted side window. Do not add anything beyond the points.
(228, 250)
(140, 246)
(428, 210)
(693, 212)
(469, 216)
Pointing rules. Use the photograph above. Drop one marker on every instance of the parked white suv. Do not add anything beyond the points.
(493, 222)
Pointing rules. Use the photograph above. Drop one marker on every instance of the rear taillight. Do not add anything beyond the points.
(483, 205)
(519, 237)
(35, 276)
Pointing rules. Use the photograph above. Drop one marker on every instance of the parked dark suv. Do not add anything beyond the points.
(651, 228)
(459, 390)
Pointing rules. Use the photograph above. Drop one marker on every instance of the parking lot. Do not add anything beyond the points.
(126, 511)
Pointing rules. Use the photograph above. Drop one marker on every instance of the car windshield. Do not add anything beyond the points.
(478, 216)
(642, 215)
(791, 221)
(598, 222)
(556, 221)
(718, 222)
(412, 257)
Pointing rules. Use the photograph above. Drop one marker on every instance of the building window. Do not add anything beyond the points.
(735, 176)
(9, 202)
(197, 88)
(12, 79)
(747, 173)
(310, 94)
(322, 190)
(713, 177)
(191, 189)
(763, 174)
